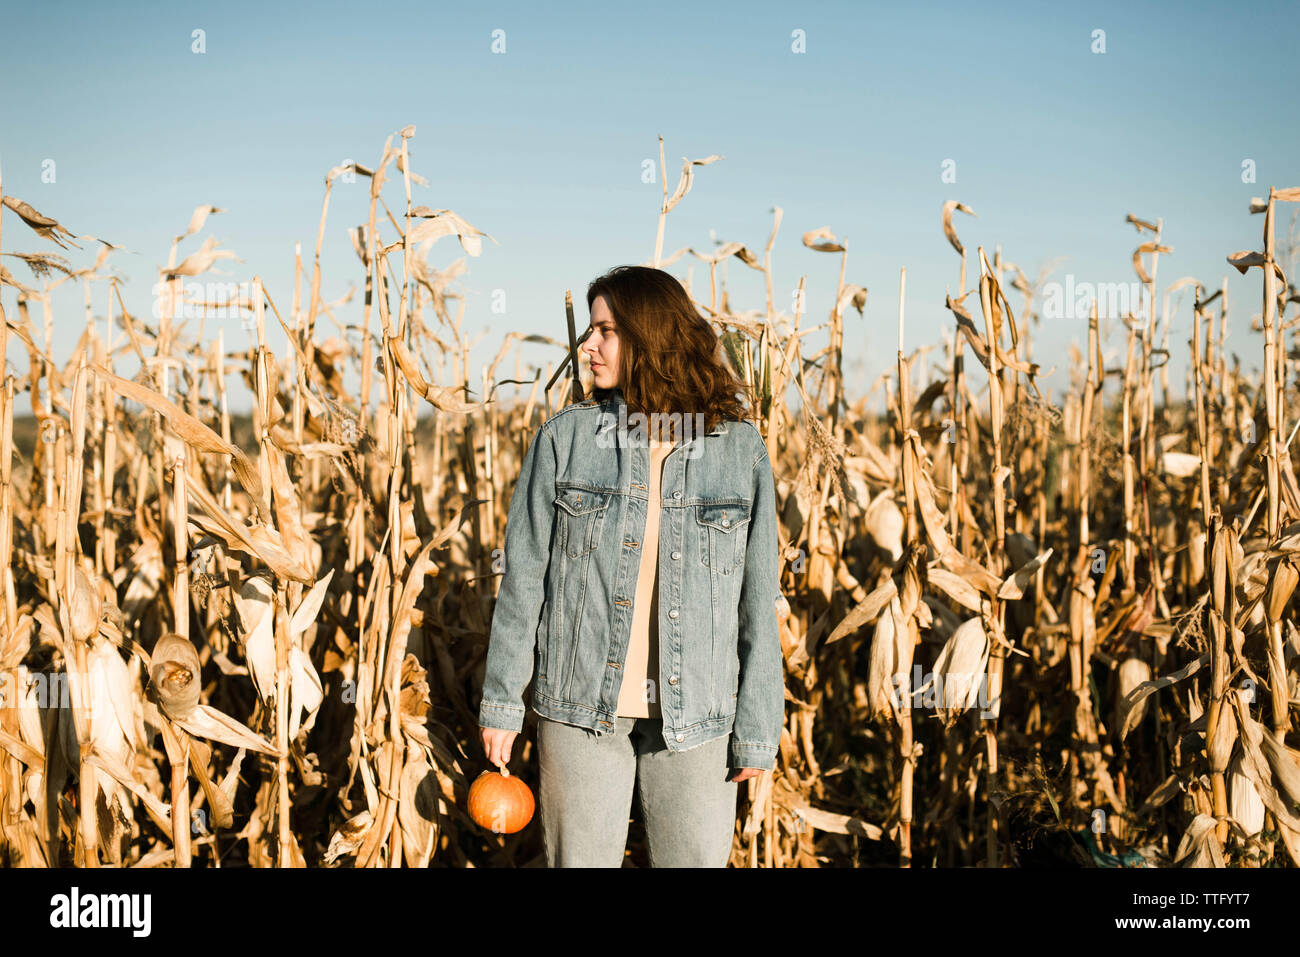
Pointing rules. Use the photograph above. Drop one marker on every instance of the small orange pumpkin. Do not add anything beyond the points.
(501, 803)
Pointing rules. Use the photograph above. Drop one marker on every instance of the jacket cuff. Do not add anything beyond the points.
(504, 717)
(750, 754)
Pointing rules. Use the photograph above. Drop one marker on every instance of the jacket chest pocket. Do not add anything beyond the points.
(581, 512)
(724, 534)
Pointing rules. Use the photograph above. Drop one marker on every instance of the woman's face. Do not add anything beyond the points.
(601, 347)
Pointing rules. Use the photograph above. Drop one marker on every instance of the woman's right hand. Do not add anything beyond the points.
(496, 745)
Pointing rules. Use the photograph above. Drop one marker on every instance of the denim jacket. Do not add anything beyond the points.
(573, 540)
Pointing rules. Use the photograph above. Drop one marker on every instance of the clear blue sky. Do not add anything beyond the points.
(543, 146)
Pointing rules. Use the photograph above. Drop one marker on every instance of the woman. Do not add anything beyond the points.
(640, 592)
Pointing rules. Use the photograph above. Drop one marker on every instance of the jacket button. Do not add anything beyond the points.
(673, 613)
(726, 522)
(676, 555)
(672, 680)
(681, 737)
(677, 494)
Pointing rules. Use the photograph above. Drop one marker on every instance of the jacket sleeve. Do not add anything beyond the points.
(760, 700)
(512, 642)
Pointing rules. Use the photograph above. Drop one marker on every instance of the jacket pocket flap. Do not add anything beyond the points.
(726, 517)
(580, 501)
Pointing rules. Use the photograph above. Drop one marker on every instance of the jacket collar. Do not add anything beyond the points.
(614, 396)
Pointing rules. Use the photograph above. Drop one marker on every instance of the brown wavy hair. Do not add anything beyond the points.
(670, 358)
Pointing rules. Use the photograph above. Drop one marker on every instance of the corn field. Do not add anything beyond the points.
(1022, 629)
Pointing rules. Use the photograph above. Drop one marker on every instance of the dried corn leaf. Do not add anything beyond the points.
(810, 239)
(446, 223)
(208, 722)
(288, 511)
(305, 692)
(305, 614)
(1245, 258)
(1016, 583)
(1255, 765)
(1282, 761)
(119, 772)
(255, 605)
(1140, 224)
(21, 750)
(684, 183)
(258, 540)
(1162, 795)
(954, 586)
(1200, 845)
(1137, 258)
(201, 214)
(417, 809)
(43, 226)
(201, 260)
(219, 803)
(833, 823)
(402, 616)
(7, 279)
(345, 841)
(1129, 704)
(953, 560)
(865, 611)
(948, 230)
(447, 399)
(190, 430)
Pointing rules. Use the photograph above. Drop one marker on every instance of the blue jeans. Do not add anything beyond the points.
(688, 805)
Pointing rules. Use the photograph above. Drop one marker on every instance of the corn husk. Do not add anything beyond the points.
(1199, 846)
(1180, 464)
(255, 604)
(1219, 748)
(174, 671)
(960, 670)
(1251, 577)
(1261, 763)
(1283, 763)
(1280, 588)
(348, 837)
(87, 606)
(884, 523)
(1196, 558)
(1130, 674)
(886, 653)
(1244, 802)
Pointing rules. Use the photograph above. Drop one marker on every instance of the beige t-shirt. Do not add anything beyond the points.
(643, 647)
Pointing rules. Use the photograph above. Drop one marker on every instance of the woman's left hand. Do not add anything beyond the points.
(744, 774)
